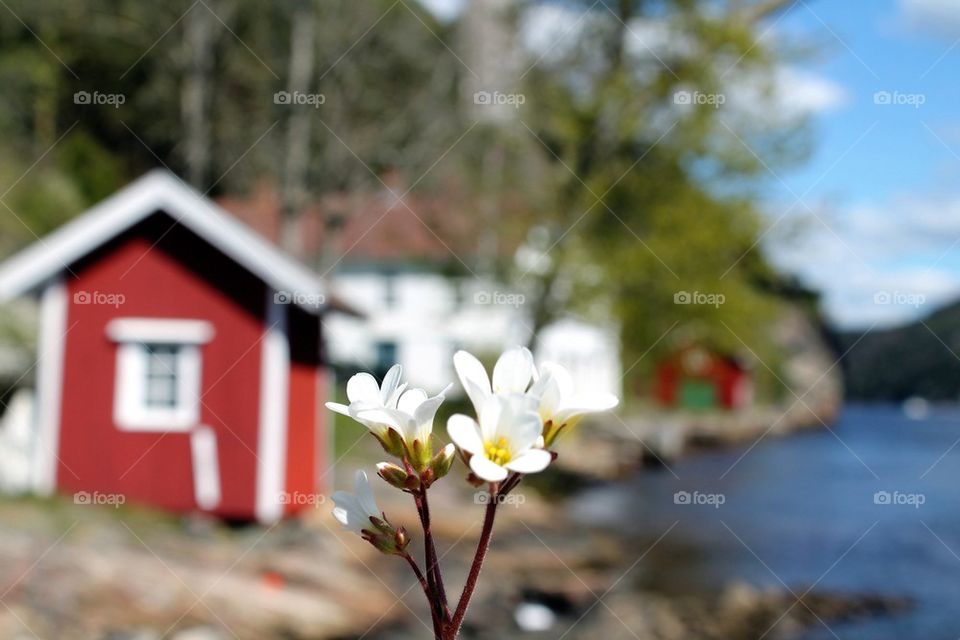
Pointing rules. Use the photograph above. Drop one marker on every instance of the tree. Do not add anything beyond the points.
(642, 197)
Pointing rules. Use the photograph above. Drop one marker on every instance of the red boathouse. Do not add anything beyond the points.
(698, 378)
(180, 359)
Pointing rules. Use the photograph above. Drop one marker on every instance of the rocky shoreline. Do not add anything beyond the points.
(80, 572)
(585, 583)
(617, 446)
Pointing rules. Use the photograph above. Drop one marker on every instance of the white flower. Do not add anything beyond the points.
(354, 510)
(412, 417)
(366, 395)
(505, 439)
(358, 512)
(511, 374)
(559, 406)
(551, 393)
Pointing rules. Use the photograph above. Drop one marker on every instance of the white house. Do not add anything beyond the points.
(405, 263)
(420, 318)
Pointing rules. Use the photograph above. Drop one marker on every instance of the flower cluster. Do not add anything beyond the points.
(400, 419)
(519, 413)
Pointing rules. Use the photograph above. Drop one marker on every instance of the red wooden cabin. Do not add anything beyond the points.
(698, 378)
(180, 358)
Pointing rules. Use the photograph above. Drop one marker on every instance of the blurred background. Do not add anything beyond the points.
(740, 216)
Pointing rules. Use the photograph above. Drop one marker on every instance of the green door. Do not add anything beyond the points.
(698, 394)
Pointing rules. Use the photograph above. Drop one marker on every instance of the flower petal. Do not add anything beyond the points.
(560, 374)
(339, 408)
(423, 417)
(587, 403)
(390, 382)
(363, 387)
(410, 400)
(473, 377)
(465, 433)
(522, 431)
(486, 469)
(530, 461)
(395, 396)
(490, 418)
(551, 398)
(389, 417)
(348, 512)
(365, 494)
(513, 371)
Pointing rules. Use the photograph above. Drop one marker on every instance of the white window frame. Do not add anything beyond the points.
(132, 335)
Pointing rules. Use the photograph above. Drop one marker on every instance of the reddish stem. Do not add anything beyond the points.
(511, 483)
(433, 563)
(437, 625)
(484, 543)
(438, 598)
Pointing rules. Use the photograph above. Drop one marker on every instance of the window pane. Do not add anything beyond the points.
(386, 356)
(163, 360)
(161, 373)
(161, 392)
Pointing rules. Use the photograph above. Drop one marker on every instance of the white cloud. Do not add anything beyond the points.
(880, 263)
(553, 29)
(806, 92)
(941, 17)
(444, 10)
(550, 31)
(787, 94)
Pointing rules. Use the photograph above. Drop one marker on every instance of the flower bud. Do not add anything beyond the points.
(420, 454)
(440, 464)
(393, 443)
(400, 539)
(395, 476)
(385, 537)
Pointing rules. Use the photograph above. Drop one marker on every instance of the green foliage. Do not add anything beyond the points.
(644, 200)
(631, 199)
(385, 101)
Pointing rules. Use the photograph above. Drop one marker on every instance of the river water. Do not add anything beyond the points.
(805, 510)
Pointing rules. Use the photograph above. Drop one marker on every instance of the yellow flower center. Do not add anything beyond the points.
(497, 452)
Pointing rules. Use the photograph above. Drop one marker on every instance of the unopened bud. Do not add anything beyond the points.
(420, 454)
(385, 537)
(394, 475)
(392, 443)
(440, 464)
(400, 539)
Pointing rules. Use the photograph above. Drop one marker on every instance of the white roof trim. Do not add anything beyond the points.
(157, 190)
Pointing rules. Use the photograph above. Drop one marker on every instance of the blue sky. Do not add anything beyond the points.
(878, 228)
(884, 177)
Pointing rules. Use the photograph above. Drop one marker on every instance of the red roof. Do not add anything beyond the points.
(381, 225)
